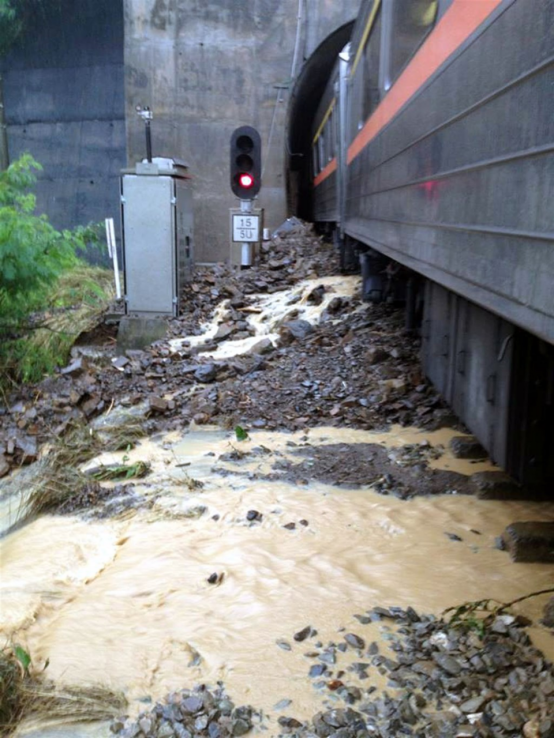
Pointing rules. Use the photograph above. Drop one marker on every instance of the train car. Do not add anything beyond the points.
(325, 142)
(446, 124)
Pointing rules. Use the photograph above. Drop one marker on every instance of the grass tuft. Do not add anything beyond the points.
(62, 479)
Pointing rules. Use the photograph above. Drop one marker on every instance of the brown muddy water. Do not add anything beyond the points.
(127, 603)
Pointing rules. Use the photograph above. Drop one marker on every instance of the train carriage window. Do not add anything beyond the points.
(411, 21)
(321, 151)
(371, 59)
(331, 137)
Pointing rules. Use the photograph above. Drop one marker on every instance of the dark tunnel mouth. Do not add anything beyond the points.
(305, 98)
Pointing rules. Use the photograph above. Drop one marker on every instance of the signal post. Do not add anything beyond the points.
(245, 171)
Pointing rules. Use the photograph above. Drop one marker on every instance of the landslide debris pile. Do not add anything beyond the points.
(357, 366)
(475, 679)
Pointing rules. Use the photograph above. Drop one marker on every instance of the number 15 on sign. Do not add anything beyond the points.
(246, 228)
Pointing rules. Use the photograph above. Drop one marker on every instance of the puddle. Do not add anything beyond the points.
(127, 603)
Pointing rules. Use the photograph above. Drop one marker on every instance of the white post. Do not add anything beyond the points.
(112, 251)
(247, 249)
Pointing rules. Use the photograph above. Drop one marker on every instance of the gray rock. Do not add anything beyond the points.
(74, 369)
(282, 704)
(201, 723)
(304, 633)
(282, 644)
(472, 705)
(448, 663)
(295, 330)
(264, 346)
(548, 617)
(158, 405)
(497, 486)
(165, 730)
(530, 541)
(317, 670)
(328, 657)
(240, 727)
(206, 373)
(467, 447)
(354, 641)
(146, 725)
(193, 704)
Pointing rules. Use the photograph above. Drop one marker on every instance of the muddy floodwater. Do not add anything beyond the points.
(126, 602)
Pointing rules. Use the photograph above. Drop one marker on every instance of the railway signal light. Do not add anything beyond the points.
(246, 162)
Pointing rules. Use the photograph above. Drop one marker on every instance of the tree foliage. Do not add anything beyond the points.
(32, 252)
(33, 257)
(14, 17)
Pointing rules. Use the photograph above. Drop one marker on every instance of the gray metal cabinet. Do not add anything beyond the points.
(158, 250)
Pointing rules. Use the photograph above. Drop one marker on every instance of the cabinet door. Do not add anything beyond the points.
(150, 273)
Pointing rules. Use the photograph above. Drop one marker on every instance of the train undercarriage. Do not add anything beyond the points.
(497, 377)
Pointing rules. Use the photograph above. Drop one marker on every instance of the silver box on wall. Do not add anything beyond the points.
(157, 222)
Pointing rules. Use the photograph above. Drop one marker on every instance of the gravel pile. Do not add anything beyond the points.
(188, 713)
(476, 680)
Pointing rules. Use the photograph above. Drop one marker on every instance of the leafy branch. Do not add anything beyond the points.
(467, 614)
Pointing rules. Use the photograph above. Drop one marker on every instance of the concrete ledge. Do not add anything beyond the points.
(138, 332)
(530, 541)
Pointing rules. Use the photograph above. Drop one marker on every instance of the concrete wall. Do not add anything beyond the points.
(323, 17)
(63, 92)
(206, 67)
(203, 66)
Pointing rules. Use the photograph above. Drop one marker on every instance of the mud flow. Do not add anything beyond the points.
(207, 568)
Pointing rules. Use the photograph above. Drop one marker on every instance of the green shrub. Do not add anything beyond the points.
(33, 257)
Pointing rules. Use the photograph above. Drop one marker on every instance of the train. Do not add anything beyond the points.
(432, 165)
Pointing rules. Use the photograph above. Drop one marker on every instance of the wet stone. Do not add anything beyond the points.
(240, 727)
(467, 447)
(201, 723)
(304, 633)
(282, 644)
(254, 516)
(496, 486)
(354, 641)
(548, 617)
(206, 373)
(453, 537)
(317, 670)
(448, 663)
(530, 541)
(282, 704)
(328, 657)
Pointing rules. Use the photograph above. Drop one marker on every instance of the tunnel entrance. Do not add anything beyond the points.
(305, 98)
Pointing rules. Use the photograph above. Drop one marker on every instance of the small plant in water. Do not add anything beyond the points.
(240, 433)
(120, 471)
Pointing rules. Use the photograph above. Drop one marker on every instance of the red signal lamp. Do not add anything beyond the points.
(246, 180)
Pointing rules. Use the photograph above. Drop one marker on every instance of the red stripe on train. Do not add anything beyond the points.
(329, 169)
(461, 19)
